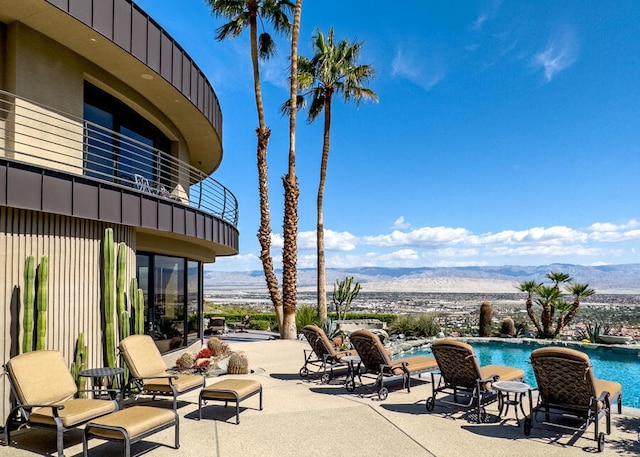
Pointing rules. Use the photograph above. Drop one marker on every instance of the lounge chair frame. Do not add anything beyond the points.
(460, 377)
(561, 399)
(322, 356)
(20, 414)
(375, 359)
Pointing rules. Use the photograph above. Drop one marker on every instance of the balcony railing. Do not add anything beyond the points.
(40, 135)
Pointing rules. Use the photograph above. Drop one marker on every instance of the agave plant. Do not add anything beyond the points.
(593, 332)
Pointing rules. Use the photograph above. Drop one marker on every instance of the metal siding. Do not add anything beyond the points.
(103, 17)
(154, 42)
(122, 24)
(57, 195)
(81, 10)
(139, 35)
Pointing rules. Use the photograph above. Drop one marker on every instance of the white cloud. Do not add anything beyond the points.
(401, 224)
(560, 53)
(333, 241)
(412, 65)
(422, 237)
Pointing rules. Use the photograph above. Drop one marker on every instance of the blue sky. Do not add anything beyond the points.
(506, 133)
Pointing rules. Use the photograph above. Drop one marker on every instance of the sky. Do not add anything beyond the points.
(506, 132)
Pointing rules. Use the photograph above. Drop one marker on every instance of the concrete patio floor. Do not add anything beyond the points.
(305, 417)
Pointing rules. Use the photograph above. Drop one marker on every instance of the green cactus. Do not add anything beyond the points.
(139, 316)
(79, 364)
(120, 283)
(29, 290)
(43, 301)
(108, 298)
(343, 295)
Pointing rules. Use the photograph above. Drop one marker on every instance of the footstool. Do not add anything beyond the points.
(131, 425)
(228, 390)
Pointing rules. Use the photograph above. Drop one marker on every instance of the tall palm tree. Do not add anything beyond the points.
(243, 13)
(333, 69)
(291, 196)
(557, 278)
(548, 296)
(530, 288)
(578, 291)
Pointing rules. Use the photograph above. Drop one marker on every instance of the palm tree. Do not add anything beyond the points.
(530, 288)
(557, 278)
(548, 296)
(332, 70)
(578, 291)
(243, 13)
(291, 196)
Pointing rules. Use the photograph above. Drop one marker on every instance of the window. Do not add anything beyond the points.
(130, 151)
(172, 288)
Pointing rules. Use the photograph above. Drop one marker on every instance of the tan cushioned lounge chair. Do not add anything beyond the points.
(376, 359)
(462, 376)
(567, 386)
(148, 370)
(325, 353)
(45, 395)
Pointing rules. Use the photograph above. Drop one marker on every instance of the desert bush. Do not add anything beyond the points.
(307, 315)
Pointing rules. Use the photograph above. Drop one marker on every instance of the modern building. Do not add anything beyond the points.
(105, 121)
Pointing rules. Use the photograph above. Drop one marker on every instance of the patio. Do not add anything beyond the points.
(309, 418)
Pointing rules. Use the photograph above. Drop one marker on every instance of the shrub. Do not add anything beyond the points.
(307, 315)
(259, 324)
(427, 325)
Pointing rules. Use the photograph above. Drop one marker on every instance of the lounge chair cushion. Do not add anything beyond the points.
(142, 356)
(75, 412)
(414, 364)
(505, 373)
(182, 384)
(136, 420)
(614, 388)
(41, 378)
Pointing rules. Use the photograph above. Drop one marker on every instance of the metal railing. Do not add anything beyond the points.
(40, 135)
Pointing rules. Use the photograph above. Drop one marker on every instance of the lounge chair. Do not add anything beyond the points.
(323, 353)
(462, 376)
(44, 392)
(148, 372)
(241, 326)
(376, 359)
(216, 325)
(568, 389)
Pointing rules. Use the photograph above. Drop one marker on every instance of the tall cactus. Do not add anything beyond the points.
(28, 300)
(343, 295)
(108, 254)
(79, 364)
(120, 282)
(137, 308)
(43, 302)
(140, 312)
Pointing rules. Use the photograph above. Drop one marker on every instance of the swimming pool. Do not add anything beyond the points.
(613, 364)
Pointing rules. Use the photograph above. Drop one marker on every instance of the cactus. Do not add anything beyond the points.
(486, 310)
(108, 298)
(43, 301)
(79, 364)
(508, 327)
(343, 295)
(217, 347)
(186, 360)
(120, 284)
(238, 363)
(137, 307)
(140, 312)
(29, 289)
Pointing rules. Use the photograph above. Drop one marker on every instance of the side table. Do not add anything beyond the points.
(353, 367)
(510, 393)
(99, 374)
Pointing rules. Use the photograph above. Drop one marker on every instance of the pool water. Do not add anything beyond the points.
(612, 366)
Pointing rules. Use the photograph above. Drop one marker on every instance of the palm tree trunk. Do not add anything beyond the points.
(263, 133)
(532, 316)
(291, 196)
(322, 276)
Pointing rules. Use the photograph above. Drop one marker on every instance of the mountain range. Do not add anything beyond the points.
(612, 279)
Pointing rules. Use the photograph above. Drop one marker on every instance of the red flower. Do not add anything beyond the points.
(204, 354)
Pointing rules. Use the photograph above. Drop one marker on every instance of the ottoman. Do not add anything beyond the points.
(131, 425)
(235, 390)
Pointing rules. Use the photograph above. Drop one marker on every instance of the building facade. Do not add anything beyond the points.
(106, 122)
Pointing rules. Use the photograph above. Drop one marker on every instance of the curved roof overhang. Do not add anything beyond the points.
(118, 36)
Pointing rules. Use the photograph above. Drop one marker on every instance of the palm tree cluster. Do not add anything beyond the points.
(332, 70)
(553, 302)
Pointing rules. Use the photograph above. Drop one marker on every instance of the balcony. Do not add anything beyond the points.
(133, 182)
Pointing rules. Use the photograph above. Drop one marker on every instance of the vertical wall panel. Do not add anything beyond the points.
(74, 250)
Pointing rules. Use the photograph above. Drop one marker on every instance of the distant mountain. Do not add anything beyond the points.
(622, 279)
